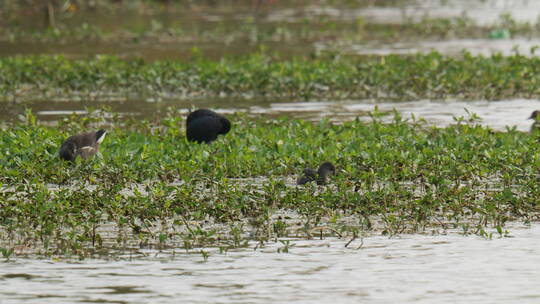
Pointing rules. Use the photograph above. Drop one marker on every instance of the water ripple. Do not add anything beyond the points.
(412, 268)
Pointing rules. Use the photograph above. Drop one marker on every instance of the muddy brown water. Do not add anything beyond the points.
(151, 50)
(498, 115)
(212, 28)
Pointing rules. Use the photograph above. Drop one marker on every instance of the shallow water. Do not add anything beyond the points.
(214, 30)
(483, 12)
(496, 114)
(412, 268)
(150, 51)
(485, 47)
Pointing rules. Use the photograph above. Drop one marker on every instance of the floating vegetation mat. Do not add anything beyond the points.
(149, 186)
(393, 77)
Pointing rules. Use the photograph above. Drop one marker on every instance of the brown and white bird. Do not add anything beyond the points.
(83, 145)
(321, 176)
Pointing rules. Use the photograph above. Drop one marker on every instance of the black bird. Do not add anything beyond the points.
(536, 124)
(83, 145)
(205, 125)
(322, 175)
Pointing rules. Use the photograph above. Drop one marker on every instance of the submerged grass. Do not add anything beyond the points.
(393, 77)
(393, 178)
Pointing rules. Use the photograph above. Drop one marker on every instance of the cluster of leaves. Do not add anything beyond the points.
(405, 175)
(432, 76)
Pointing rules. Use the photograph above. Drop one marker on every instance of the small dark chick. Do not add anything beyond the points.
(321, 176)
(204, 126)
(83, 145)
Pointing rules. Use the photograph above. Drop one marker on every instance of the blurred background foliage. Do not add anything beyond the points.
(50, 12)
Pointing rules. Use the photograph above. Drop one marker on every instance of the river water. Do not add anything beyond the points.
(496, 114)
(417, 268)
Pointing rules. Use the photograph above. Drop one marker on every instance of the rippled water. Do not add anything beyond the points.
(408, 269)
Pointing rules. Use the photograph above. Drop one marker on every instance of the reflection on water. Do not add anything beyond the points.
(495, 114)
(412, 268)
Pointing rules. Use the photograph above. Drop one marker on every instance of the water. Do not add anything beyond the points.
(483, 12)
(412, 268)
(150, 50)
(419, 268)
(215, 29)
(496, 114)
(485, 47)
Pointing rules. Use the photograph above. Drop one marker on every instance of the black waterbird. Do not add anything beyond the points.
(83, 145)
(205, 125)
(322, 175)
(536, 124)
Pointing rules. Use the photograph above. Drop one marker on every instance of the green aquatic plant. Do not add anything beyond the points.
(6, 252)
(393, 77)
(287, 245)
(157, 189)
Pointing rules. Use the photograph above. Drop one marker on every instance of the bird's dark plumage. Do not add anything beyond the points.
(322, 175)
(205, 125)
(83, 145)
(309, 175)
(535, 127)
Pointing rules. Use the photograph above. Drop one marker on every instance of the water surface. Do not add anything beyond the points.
(483, 12)
(484, 47)
(496, 114)
(412, 268)
(292, 30)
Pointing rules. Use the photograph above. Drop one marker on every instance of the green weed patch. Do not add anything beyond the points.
(431, 76)
(155, 187)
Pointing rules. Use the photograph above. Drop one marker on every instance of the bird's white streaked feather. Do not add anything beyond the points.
(87, 148)
(99, 140)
